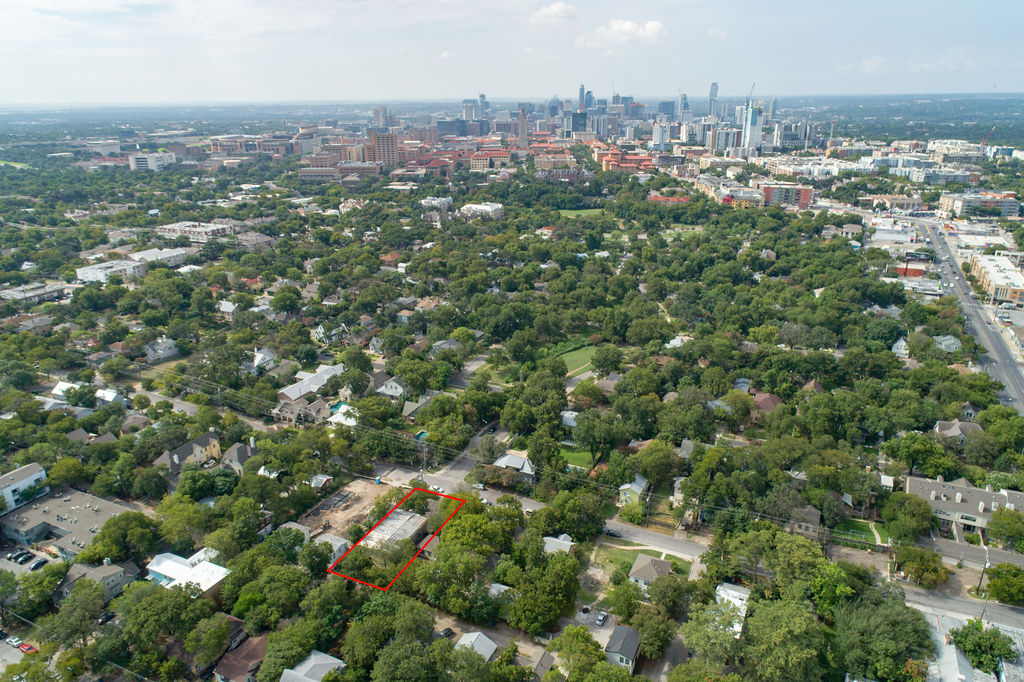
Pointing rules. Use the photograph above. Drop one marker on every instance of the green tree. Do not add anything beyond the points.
(783, 641)
(656, 630)
(76, 618)
(709, 631)
(8, 588)
(315, 557)
(984, 648)
(699, 670)
(606, 359)
(1007, 526)
(923, 566)
(1005, 583)
(578, 650)
(625, 598)
(907, 517)
(209, 638)
(35, 589)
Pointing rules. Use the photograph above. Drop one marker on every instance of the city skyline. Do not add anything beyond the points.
(163, 51)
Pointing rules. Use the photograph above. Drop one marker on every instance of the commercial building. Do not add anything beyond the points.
(725, 191)
(71, 517)
(197, 233)
(961, 504)
(783, 193)
(22, 485)
(102, 272)
(383, 149)
(33, 293)
(397, 526)
(1004, 204)
(487, 209)
(997, 275)
(169, 257)
(156, 161)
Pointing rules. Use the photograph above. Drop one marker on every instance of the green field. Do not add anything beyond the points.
(579, 358)
(14, 164)
(576, 456)
(614, 557)
(855, 529)
(575, 213)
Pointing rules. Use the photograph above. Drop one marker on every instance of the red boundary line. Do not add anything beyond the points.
(408, 563)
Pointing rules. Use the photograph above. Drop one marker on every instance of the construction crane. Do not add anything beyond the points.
(985, 140)
(751, 93)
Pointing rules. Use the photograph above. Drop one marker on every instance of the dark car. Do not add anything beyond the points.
(25, 558)
(612, 533)
(447, 632)
(38, 563)
(492, 429)
(106, 617)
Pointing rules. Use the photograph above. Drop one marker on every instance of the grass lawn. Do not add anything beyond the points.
(576, 457)
(681, 566)
(614, 557)
(575, 359)
(856, 529)
(574, 213)
(882, 532)
(17, 164)
(587, 597)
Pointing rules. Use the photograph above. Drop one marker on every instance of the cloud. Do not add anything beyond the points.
(715, 33)
(873, 65)
(621, 31)
(445, 56)
(554, 13)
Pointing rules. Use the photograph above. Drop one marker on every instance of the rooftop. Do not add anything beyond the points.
(396, 526)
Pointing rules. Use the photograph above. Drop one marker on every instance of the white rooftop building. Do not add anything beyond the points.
(310, 382)
(737, 596)
(478, 642)
(171, 570)
(102, 272)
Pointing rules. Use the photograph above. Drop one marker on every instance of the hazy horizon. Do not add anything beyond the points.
(156, 52)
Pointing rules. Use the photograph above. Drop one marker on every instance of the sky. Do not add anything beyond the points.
(197, 51)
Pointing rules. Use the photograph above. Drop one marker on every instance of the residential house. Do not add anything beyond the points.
(814, 386)
(956, 429)
(160, 349)
(300, 411)
(738, 596)
(805, 521)
(394, 388)
(197, 451)
(634, 492)
(901, 349)
(766, 403)
(327, 334)
(443, 345)
(171, 570)
(968, 412)
(404, 316)
(411, 408)
(948, 343)
(519, 463)
(646, 569)
(263, 360)
(313, 668)
(134, 422)
(112, 577)
(376, 346)
(307, 383)
(338, 545)
(569, 418)
(607, 384)
(741, 384)
(563, 543)
(236, 456)
(623, 647)
(478, 642)
(240, 664)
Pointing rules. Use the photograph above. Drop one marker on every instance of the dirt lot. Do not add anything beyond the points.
(351, 511)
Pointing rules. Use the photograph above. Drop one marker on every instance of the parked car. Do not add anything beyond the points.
(3, 634)
(437, 489)
(13, 553)
(447, 632)
(480, 486)
(106, 617)
(492, 429)
(29, 649)
(38, 563)
(25, 558)
(612, 533)
(602, 617)
(14, 641)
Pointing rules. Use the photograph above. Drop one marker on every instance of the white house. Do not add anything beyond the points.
(738, 597)
(160, 349)
(263, 360)
(13, 486)
(563, 543)
(478, 642)
(394, 388)
(900, 349)
(171, 570)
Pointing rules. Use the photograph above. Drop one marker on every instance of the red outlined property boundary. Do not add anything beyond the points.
(408, 563)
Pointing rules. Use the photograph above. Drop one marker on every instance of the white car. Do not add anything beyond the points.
(437, 489)
(15, 641)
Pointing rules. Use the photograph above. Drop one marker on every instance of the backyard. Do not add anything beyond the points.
(575, 213)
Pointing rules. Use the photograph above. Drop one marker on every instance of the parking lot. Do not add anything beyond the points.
(13, 567)
(9, 655)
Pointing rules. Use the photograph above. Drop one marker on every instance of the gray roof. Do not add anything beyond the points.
(625, 641)
(648, 568)
(508, 461)
(316, 665)
(956, 428)
(20, 474)
(973, 500)
(638, 486)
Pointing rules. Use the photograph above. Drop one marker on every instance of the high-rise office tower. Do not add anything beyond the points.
(380, 116)
(524, 141)
(484, 104)
(383, 148)
(713, 100)
(583, 97)
(588, 100)
(468, 109)
(554, 105)
(752, 128)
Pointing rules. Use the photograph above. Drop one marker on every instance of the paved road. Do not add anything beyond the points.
(687, 549)
(964, 608)
(1000, 362)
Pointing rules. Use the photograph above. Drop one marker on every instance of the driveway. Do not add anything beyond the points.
(530, 652)
(9, 655)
